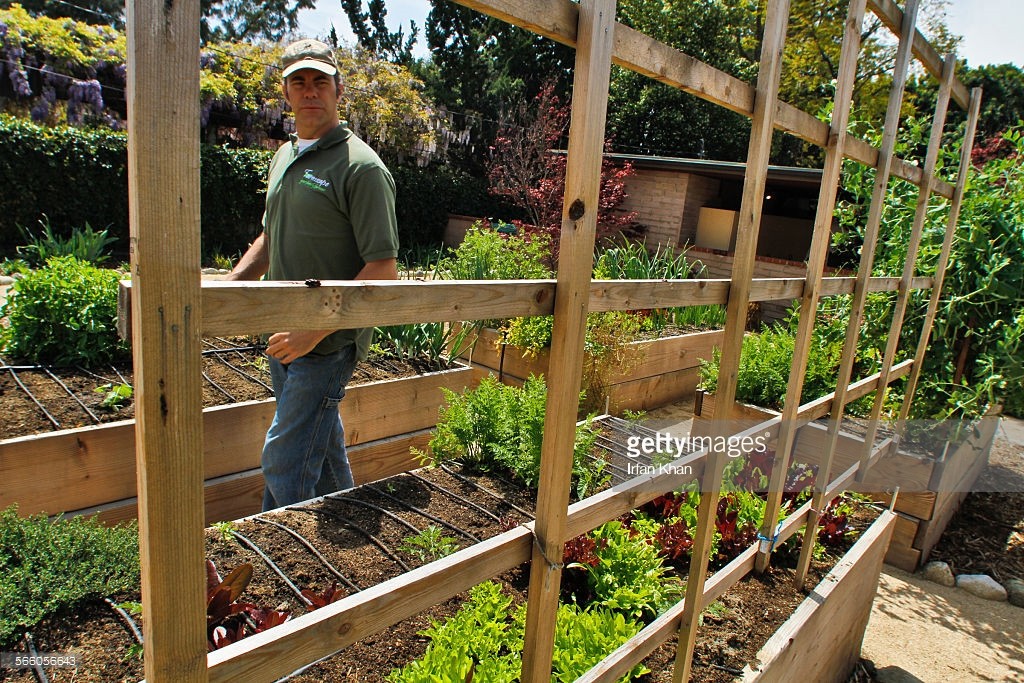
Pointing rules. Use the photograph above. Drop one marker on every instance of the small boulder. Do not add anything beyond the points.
(982, 585)
(1015, 592)
(940, 573)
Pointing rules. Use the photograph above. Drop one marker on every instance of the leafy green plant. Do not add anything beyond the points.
(499, 426)
(84, 244)
(115, 396)
(629, 576)
(429, 544)
(14, 266)
(227, 619)
(483, 641)
(490, 254)
(226, 530)
(51, 565)
(65, 313)
(223, 262)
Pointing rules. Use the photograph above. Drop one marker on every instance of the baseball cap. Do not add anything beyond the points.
(308, 54)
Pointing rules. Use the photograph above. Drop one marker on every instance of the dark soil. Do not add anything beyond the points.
(39, 400)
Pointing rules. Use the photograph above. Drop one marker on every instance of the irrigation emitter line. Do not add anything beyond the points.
(422, 512)
(37, 669)
(218, 387)
(309, 546)
(21, 384)
(377, 508)
(126, 618)
(273, 566)
(452, 494)
(353, 527)
(72, 394)
(487, 491)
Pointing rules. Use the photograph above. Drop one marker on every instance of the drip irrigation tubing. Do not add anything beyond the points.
(376, 508)
(72, 394)
(127, 619)
(358, 529)
(437, 487)
(273, 566)
(486, 490)
(219, 388)
(424, 513)
(218, 353)
(41, 407)
(309, 546)
(37, 669)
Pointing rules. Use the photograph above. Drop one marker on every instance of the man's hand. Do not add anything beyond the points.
(287, 346)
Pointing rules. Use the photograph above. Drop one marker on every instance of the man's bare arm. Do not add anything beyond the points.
(255, 262)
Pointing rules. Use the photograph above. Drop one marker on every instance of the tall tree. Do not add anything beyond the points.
(107, 12)
(373, 35)
(240, 21)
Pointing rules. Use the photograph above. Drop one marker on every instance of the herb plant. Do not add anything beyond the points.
(429, 544)
(64, 313)
(48, 566)
(115, 396)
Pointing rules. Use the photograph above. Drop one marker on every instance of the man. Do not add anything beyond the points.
(330, 215)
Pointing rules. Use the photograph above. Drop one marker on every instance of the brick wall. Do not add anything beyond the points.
(658, 198)
(701, 191)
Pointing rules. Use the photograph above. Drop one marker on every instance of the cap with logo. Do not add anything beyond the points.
(308, 54)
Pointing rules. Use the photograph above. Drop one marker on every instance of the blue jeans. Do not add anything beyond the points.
(304, 453)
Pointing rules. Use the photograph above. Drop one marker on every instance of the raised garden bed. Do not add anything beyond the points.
(91, 469)
(666, 369)
(390, 594)
(930, 488)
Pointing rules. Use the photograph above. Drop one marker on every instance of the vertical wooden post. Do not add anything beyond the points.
(163, 190)
(595, 40)
(909, 263)
(947, 244)
(867, 260)
(815, 270)
(752, 202)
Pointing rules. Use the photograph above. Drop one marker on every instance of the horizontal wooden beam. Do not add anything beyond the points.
(892, 16)
(556, 19)
(231, 308)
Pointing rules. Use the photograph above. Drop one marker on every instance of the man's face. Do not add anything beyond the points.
(313, 97)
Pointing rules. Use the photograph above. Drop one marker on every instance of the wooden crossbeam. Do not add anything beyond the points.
(595, 34)
(871, 233)
(820, 240)
(910, 260)
(231, 308)
(163, 204)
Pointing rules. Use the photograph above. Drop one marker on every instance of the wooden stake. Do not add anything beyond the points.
(815, 269)
(751, 204)
(163, 190)
(947, 244)
(871, 230)
(910, 261)
(572, 292)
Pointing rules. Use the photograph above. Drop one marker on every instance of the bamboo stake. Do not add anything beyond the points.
(163, 187)
(871, 229)
(910, 262)
(572, 293)
(947, 244)
(815, 269)
(758, 153)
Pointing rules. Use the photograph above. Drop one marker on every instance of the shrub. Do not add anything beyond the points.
(48, 566)
(85, 244)
(65, 314)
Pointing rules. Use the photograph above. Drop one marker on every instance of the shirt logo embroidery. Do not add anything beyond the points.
(310, 180)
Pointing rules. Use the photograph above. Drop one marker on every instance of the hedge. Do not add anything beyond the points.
(76, 176)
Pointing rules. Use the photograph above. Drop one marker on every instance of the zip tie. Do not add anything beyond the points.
(768, 544)
(557, 566)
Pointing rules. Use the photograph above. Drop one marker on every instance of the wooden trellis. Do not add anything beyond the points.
(171, 309)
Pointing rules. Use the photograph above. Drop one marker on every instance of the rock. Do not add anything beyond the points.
(6, 280)
(215, 271)
(1015, 591)
(982, 585)
(940, 573)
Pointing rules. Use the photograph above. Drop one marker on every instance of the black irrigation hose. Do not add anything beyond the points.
(126, 618)
(309, 546)
(72, 394)
(219, 388)
(18, 381)
(424, 513)
(37, 669)
(486, 490)
(376, 508)
(270, 563)
(358, 529)
(437, 487)
(86, 371)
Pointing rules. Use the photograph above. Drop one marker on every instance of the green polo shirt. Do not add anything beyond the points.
(329, 211)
